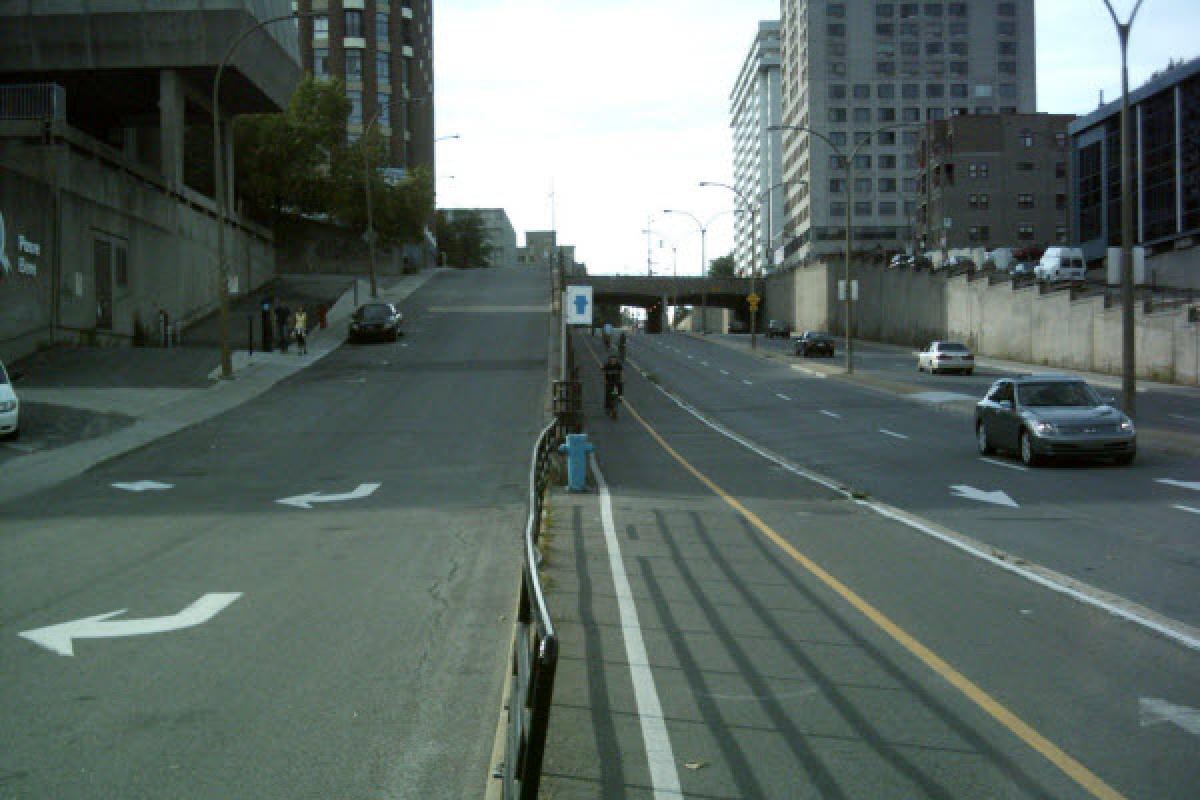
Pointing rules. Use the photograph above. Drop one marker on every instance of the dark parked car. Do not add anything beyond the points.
(738, 326)
(380, 321)
(1039, 416)
(812, 343)
(778, 329)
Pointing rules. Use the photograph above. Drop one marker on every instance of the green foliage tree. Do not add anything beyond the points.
(722, 267)
(462, 237)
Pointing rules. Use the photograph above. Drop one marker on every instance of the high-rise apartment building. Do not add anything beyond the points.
(383, 51)
(756, 106)
(851, 68)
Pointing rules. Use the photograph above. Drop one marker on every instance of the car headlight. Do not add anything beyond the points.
(7, 405)
(1127, 425)
(1045, 427)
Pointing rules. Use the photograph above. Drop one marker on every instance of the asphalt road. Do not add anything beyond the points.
(365, 650)
(1120, 529)
(800, 644)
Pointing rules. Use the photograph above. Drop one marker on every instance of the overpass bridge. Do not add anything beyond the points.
(655, 293)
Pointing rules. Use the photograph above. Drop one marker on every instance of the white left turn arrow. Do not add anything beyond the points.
(143, 486)
(306, 500)
(1153, 710)
(59, 637)
(997, 497)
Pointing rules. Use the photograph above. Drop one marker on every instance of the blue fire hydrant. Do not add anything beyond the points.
(577, 449)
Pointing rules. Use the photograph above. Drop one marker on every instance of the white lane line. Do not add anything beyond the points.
(748, 383)
(782, 396)
(1107, 602)
(724, 372)
(831, 414)
(1182, 417)
(994, 462)
(704, 363)
(691, 358)
(811, 372)
(663, 775)
(893, 434)
(1187, 508)
(1193, 485)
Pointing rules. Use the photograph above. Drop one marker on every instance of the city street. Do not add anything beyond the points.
(736, 626)
(283, 601)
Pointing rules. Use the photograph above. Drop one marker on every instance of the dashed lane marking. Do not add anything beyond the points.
(893, 434)
(996, 463)
(748, 383)
(831, 414)
(782, 396)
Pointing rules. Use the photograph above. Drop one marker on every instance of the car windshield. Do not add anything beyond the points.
(1057, 393)
(376, 313)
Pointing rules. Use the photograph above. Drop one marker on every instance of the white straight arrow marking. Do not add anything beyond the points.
(306, 500)
(58, 638)
(1154, 711)
(997, 497)
(143, 486)
(1193, 485)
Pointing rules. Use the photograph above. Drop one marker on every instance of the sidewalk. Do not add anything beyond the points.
(104, 402)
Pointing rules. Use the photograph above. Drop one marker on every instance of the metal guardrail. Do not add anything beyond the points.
(33, 101)
(535, 647)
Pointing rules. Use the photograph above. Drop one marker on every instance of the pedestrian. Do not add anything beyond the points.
(301, 324)
(282, 315)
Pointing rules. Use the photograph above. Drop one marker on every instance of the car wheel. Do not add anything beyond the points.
(981, 440)
(1028, 457)
(1124, 460)
(12, 435)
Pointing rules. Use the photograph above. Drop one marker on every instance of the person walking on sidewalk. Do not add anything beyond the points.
(282, 315)
(301, 323)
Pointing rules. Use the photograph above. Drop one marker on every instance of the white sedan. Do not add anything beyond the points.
(946, 357)
(10, 408)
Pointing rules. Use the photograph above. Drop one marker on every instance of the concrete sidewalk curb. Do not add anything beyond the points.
(1176, 442)
(258, 373)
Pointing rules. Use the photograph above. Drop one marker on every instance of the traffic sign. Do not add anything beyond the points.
(753, 300)
(577, 307)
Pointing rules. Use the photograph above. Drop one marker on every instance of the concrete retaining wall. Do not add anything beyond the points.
(1022, 324)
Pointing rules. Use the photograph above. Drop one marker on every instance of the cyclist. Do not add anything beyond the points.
(612, 381)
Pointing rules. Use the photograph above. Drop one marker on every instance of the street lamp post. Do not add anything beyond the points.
(1128, 353)
(753, 257)
(849, 162)
(219, 187)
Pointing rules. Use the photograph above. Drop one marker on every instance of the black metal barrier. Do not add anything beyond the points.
(535, 648)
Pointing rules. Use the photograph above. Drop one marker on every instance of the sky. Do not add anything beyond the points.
(595, 115)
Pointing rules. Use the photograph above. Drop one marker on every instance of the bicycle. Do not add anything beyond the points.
(612, 399)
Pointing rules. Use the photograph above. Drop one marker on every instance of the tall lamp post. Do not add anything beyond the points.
(1128, 354)
(849, 165)
(219, 186)
(746, 204)
(703, 227)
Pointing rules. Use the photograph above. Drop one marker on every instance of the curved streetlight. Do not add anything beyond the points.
(219, 185)
(753, 257)
(703, 227)
(849, 166)
(1128, 373)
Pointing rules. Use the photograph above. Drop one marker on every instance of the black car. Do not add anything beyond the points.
(812, 343)
(378, 321)
(738, 326)
(1040, 416)
(778, 329)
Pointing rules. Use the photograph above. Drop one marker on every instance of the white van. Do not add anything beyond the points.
(1061, 264)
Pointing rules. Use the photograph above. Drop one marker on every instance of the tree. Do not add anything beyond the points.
(462, 237)
(723, 267)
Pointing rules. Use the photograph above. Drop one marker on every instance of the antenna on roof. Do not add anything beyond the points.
(1101, 103)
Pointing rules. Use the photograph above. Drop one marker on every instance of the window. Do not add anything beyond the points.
(958, 48)
(1060, 234)
(980, 201)
(935, 90)
(933, 9)
(910, 49)
(983, 109)
(910, 161)
(885, 29)
(321, 61)
(910, 91)
(121, 267)
(887, 185)
(837, 162)
(837, 185)
(1024, 166)
(383, 68)
(861, 136)
(909, 29)
(911, 115)
(1002, 392)
(956, 10)
(381, 26)
(862, 209)
(1060, 169)
(837, 49)
(1026, 138)
(837, 68)
(862, 186)
(959, 111)
(862, 161)
(356, 105)
(354, 65)
(1025, 232)
(910, 185)
(909, 140)
(321, 26)
(836, 29)
(934, 114)
(1006, 28)
(979, 233)
(862, 91)
(958, 90)
(958, 68)
(885, 91)
(1007, 90)
(1060, 139)
(958, 29)
(886, 138)
(862, 115)
(836, 10)
(1007, 110)
(837, 115)
(354, 23)
(887, 209)
(1006, 48)
(1006, 9)
(933, 48)
(837, 210)
(383, 103)
(1007, 68)
(885, 9)
(908, 10)
(838, 138)
(1060, 201)
(837, 91)
(887, 162)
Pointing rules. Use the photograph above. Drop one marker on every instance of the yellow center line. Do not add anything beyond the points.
(1021, 729)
